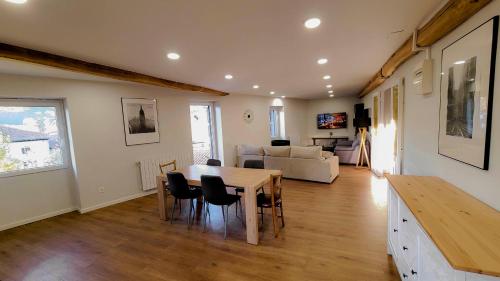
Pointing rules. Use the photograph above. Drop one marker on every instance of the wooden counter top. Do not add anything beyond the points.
(466, 230)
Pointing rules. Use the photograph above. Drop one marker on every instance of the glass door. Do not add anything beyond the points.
(203, 132)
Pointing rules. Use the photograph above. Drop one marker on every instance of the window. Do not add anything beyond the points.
(203, 132)
(276, 122)
(32, 136)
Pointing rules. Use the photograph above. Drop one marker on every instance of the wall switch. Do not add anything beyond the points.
(101, 189)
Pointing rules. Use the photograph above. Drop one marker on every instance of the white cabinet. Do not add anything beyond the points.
(414, 253)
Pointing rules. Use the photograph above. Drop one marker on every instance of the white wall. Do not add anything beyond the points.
(236, 131)
(421, 124)
(100, 155)
(331, 105)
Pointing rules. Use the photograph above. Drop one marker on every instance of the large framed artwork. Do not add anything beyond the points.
(467, 79)
(332, 120)
(140, 119)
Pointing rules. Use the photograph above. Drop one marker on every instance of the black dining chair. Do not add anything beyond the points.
(254, 164)
(250, 164)
(215, 193)
(180, 189)
(214, 162)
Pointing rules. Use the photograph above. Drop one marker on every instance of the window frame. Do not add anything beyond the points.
(278, 130)
(61, 128)
(214, 150)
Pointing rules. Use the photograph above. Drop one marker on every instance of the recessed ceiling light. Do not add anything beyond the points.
(322, 61)
(271, 92)
(327, 77)
(17, 1)
(331, 96)
(329, 86)
(312, 23)
(228, 76)
(173, 56)
(330, 92)
(283, 97)
(460, 62)
(255, 86)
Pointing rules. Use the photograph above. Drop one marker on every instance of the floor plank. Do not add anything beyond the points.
(333, 232)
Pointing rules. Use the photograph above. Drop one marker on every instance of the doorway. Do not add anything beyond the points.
(387, 133)
(203, 135)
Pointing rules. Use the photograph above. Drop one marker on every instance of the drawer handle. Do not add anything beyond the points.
(405, 248)
(413, 272)
(405, 220)
(405, 276)
(395, 230)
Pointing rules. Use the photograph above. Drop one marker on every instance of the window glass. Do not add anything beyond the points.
(30, 136)
(276, 122)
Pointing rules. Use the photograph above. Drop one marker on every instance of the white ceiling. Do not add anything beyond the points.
(258, 41)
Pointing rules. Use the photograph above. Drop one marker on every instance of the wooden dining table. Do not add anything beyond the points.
(248, 179)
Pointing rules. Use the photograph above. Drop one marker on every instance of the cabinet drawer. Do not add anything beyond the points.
(407, 223)
(433, 265)
(408, 236)
(403, 270)
(409, 250)
(393, 220)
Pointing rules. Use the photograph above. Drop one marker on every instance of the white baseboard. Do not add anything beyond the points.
(37, 218)
(116, 201)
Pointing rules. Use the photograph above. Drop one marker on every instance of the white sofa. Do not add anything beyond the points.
(296, 162)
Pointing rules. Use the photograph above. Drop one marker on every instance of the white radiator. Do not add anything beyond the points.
(150, 168)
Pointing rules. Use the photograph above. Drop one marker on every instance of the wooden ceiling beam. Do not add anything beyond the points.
(453, 14)
(65, 63)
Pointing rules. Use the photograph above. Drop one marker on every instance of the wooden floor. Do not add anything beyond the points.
(333, 232)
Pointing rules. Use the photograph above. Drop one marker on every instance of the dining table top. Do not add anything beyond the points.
(232, 176)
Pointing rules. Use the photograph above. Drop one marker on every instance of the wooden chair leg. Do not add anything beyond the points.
(282, 217)
(275, 226)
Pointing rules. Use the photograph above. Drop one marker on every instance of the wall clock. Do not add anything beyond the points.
(248, 116)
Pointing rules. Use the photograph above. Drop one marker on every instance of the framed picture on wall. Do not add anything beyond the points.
(467, 79)
(140, 120)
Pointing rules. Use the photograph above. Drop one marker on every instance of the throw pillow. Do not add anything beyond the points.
(306, 152)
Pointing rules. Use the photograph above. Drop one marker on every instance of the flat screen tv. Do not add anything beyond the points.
(332, 120)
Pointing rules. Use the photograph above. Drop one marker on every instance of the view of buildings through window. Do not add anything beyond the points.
(29, 136)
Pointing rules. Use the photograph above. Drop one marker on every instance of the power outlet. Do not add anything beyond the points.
(100, 189)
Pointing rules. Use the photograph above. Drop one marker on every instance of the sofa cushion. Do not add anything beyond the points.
(345, 148)
(246, 149)
(344, 143)
(277, 151)
(306, 152)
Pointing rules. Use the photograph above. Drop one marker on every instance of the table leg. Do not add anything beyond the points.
(162, 202)
(251, 216)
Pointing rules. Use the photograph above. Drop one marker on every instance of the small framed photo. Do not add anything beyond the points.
(467, 79)
(140, 120)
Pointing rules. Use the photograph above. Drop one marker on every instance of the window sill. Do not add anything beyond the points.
(31, 171)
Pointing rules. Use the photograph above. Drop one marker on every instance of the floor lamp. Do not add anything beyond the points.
(362, 153)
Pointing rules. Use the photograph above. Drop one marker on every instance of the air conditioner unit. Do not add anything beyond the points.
(422, 77)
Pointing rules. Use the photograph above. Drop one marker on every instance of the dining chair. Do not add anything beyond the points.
(250, 164)
(214, 162)
(172, 163)
(215, 193)
(273, 201)
(166, 167)
(180, 189)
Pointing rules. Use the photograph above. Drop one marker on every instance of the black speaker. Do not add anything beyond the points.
(361, 118)
(358, 110)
